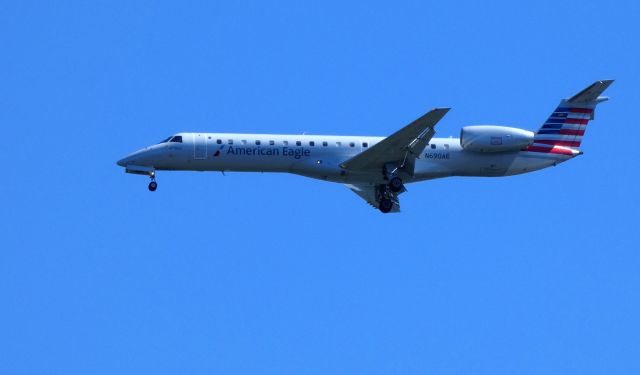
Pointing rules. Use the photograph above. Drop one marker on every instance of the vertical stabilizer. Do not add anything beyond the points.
(567, 124)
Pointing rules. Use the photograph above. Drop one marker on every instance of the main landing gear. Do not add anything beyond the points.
(388, 193)
(386, 198)
(385, 205)
(153, 185)
(396, 185)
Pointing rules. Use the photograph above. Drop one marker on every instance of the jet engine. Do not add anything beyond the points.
(491, 138)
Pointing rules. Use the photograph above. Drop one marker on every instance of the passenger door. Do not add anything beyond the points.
(199, 146)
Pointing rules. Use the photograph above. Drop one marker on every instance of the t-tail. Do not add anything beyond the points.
(562, 133)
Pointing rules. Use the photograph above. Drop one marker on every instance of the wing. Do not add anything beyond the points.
(369, 193)
(401, 147)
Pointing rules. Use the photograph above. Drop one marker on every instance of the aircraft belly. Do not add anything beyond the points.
(325, 166)
(529, 162)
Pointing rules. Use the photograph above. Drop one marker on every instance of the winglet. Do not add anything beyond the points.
(592, 93)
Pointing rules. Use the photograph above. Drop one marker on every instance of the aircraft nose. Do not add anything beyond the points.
(129, 159)
(140, 157)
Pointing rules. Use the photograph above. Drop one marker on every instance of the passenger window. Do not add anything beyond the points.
(177, 139)
(351, 144)
(230, 141)
(365, 144)
(433, 146)
(257, 143)
(219, 141)
(271, 143)
(446, 146)
(244, 141)
(298, 143)
(312, 143)
(286, 143)
(325, 144)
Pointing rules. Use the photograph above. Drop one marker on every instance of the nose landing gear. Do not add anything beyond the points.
(153, 185)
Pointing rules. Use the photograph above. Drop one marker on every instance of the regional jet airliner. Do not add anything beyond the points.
(377, 168)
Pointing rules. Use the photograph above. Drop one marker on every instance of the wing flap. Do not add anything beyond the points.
(368, 193)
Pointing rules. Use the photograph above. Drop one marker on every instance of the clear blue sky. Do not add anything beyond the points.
(278, 274)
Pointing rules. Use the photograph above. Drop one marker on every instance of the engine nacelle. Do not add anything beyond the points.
(492, 138)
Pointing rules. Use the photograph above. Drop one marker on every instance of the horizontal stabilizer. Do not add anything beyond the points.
(591, 93)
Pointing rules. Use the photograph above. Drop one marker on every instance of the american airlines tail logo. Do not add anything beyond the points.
(217, 153)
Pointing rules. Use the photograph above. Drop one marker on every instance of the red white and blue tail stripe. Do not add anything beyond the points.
(563, 131)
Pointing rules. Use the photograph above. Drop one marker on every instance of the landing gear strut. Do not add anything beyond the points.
(153, 185)
(387, 193)
(390, 173)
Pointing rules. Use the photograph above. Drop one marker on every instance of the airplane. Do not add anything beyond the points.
(378, 168)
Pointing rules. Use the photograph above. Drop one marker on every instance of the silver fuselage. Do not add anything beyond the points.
(319, 157)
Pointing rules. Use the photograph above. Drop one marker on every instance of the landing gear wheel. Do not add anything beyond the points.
(385, 205)
(153, 186)
(395, 185)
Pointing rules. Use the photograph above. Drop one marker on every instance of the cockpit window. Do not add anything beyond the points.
(175, 138)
